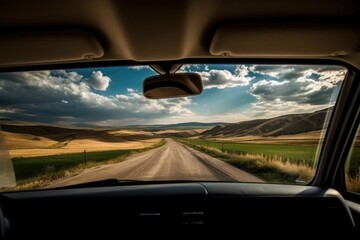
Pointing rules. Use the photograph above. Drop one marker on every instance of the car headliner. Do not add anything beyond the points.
(162, 30)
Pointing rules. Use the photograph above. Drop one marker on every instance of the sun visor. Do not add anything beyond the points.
(284, 40)
(48, 47)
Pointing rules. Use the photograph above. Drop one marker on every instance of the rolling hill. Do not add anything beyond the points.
(282, 125)
(23, 139)
(186, 125)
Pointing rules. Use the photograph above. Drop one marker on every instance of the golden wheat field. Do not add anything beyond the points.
(29, 145)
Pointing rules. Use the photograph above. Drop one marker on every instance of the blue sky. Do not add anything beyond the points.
(111, 96)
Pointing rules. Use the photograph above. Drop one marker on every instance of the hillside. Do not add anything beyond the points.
(186, 125)
(282, 125)
(40, 140)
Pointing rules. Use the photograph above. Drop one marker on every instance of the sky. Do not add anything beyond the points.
(112, 96)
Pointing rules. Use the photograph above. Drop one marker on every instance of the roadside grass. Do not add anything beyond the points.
(33, 172)
(272, 163)
(353, 163)
(352, 168)
(275, 163)
(296, 154)
(353, 183)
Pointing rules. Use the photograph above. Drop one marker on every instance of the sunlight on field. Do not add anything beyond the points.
(309, 138)
(127, 132)
(190, 131)
(294, 153)
(305, 172)
(28, 145)
(34, 172)
(273, 163)
(26, 141)
(93, 145)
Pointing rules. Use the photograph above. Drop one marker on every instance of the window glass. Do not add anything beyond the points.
(252, 123)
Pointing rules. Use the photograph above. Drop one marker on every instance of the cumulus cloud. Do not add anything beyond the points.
(134, 101)
(98, 81)
(291, 72)
(295, 88)
(310, 86)
(277, 108)
(232, 117)
(193, 67)
(8, 110)
(223, 78)
(69, 97)
(74, 76)
(50, 95)
(140, 67)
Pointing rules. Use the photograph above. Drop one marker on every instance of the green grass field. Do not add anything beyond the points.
(295, 154)
(274, 162)
(353, 164)
(30, 167)
(353, 171)
(33, 172)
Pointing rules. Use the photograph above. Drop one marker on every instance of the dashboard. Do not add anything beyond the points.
(179, 209)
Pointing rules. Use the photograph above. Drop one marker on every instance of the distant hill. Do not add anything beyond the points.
(282, 125)
(186, 125)
(63, 134)
(55, 133)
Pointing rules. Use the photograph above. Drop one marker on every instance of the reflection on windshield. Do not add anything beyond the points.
(252, 123)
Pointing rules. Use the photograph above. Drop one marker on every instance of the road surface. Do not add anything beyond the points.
(172, 161)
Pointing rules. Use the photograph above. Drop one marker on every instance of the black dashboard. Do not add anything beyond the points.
(181, 209)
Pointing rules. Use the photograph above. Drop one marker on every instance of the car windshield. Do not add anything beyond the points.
(252, 123)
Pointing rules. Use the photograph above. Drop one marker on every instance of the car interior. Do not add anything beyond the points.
(166, 36)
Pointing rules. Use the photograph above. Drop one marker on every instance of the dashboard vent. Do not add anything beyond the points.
(193, 218)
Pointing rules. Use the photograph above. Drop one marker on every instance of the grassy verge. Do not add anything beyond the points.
(33, 172)
(353, 183)
(295, 154)
(352, 168)
(262, 160)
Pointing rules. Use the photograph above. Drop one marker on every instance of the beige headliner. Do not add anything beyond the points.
(157, 30)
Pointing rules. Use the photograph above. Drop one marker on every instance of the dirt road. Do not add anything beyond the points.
(173, 161)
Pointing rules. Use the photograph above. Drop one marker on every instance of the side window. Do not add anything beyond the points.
(352, 167)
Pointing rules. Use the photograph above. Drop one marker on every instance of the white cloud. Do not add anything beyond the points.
(193, 67)
(225, 79)
(98, 81)
(47, 93)
(294, 89)
(8, 110)
(277, 91)
(74, 76)
(270, 70)
(136, 102)
(140, 67)
(220, 78)
(269, 109)
(311, 86)
(293, 72)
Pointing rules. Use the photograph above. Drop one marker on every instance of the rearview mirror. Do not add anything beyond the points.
(172, 85)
